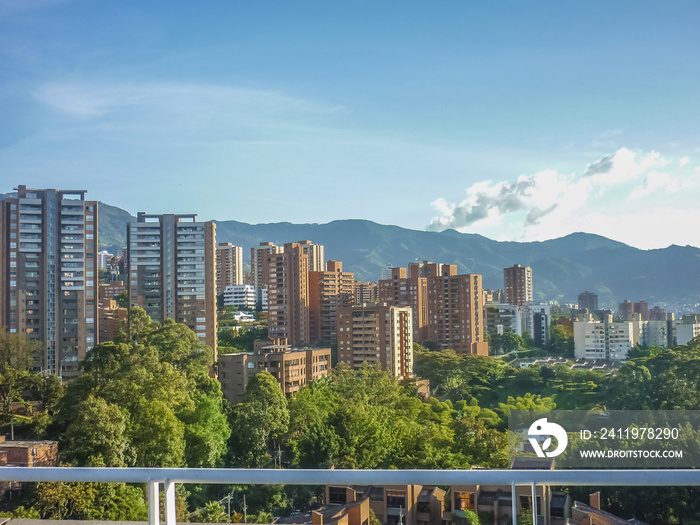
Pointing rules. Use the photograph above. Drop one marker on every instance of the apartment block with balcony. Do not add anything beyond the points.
(328, 291)
(607, 340)
(172, 271)
(241, 296)
(365, 292)
(293, 368)
(447, 307)
(229, 266)
(48, 274)
(376, 333)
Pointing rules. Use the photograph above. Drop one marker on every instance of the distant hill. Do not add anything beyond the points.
(562, 268)
(112, 227)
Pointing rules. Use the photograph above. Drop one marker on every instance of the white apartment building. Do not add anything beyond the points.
(241, 296)
(686, 332)
(606, 341)
(103, 258)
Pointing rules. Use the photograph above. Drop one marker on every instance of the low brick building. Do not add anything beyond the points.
(291, 367)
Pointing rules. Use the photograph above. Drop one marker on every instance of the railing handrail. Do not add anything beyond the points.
(233, 476)
(153, 477)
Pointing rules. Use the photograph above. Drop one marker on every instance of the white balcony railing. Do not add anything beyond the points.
(154, 477)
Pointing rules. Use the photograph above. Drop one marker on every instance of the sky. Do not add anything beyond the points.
(518, 121)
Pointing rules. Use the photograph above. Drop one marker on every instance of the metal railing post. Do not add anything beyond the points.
(153, 503)
(170, 517)
(514, 504)
(534, 503)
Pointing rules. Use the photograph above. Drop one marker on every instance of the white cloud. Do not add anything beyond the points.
(657, 182)
(550, 204)
(194, 107)
(684, 161)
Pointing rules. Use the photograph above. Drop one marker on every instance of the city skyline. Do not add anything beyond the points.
(520, 123)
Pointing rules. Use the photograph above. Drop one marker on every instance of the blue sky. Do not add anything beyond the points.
(518, 121)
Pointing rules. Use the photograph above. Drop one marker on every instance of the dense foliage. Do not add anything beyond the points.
(149, 399)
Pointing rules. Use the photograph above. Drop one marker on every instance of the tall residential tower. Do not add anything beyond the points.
(48, 274)
(229, 266)
(172, 271)
(518, 284)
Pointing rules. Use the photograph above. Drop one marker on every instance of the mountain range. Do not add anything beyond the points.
(561, 268)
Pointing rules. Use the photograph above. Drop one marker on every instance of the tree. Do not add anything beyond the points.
(17, 352)
(97, 434)
(527, 402)
(91, 501)
(159, 381)
(212, 512)
(261, 420)
(123, 299)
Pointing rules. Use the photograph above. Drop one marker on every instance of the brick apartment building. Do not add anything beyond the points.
(329, 291)
(376, 333)
(518, 284)
(291, 367)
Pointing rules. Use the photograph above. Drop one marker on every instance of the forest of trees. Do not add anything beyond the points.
(148, 399)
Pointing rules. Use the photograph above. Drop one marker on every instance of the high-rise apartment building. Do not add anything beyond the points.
(172, 271)
(588, 301)
(328, 291)
(455, 312)
(642, 308)
(518, 284)
(257, 262)
(48, 274)
(404, 290)
(286, 276)
(316, 254)
(229, 266)
(377, 333)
